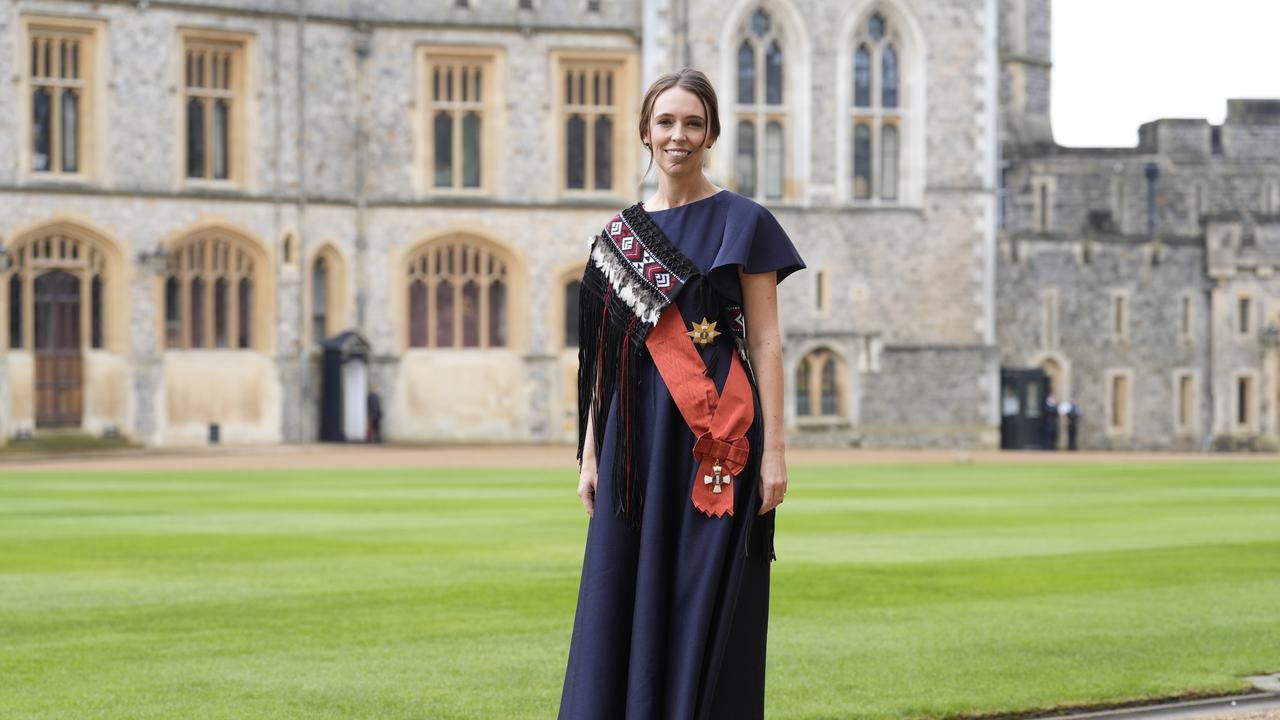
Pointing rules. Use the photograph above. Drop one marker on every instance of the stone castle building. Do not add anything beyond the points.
(196, 192)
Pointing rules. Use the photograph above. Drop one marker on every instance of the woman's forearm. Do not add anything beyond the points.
(766, 361)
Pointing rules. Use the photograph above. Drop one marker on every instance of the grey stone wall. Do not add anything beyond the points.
(1085, 274)
(931, 396)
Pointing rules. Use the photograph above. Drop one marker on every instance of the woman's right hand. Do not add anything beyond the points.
(587, 485)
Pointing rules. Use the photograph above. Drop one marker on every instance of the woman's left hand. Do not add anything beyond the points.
(773, 481)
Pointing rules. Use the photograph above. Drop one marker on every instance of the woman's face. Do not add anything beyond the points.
(678, 133)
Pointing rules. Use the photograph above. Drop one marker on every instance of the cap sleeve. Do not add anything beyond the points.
(755, 240)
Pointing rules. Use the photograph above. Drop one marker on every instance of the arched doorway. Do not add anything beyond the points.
(58, 359)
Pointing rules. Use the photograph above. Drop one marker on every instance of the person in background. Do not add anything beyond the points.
(374, 408)
(1072, 411)
(1050, 423)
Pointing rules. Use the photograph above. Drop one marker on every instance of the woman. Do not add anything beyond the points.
(680, 436)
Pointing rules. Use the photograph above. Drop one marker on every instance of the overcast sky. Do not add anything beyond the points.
(1120, 63)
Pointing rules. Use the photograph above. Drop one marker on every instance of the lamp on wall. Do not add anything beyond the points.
(1270, 335)
(156, 260)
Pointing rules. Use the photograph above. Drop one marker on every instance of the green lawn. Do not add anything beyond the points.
(900, 591)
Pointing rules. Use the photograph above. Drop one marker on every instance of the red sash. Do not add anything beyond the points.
(719, 421)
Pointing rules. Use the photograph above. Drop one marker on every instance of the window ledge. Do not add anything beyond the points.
(822, 422)
(214, 187)
(59, 180)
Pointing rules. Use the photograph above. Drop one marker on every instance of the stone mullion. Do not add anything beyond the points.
(29, 306)
(207, 311)
(86, 300)
(483, 283)
(206, 110)
(815, 385)
(233, 309)
(55, 129)
(430, 281)
(455, 286)
(455, 128)
(184, 304)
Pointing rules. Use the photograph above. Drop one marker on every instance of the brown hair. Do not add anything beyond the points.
(689, 79)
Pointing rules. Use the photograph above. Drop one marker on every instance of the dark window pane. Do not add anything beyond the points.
(319, 299)
(774, 161)
(471, 150)
(444, 314)
(889, 162)
(1242, 401)
(15, 311)
(172, 313)
(829, 399)
(802, 388)
(246, 313)
(604, 152)
(576, 152)
(497, 314)
(876, 27)
(221, 140)
(41, 144)
(70, 130)
(95, 312)
(220, 313)
(746, 73)
(889, 78)
(471, 314)
(773, 74)
(862, 77)
(443, 138)
(195, 138)
(478, 86)
(417, 314)
(760, 22)
(197, 313)
(862, 161)
(572, 291)
(745, 166)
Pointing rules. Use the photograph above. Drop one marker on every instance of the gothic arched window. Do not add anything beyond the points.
(572, 290)
(876, 115)
(819, 384)
(209, 294)
(319, 300)
(31, 261)
(457, 296)
(760, 110)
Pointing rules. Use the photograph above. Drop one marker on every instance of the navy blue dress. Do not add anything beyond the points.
(671, 621)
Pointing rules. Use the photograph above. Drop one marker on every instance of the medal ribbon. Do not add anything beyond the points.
(719, 421)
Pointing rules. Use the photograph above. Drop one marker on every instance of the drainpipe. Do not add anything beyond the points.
(362, 49)
(1153, 175)
(1206, 441)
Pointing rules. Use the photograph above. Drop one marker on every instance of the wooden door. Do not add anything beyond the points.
(59, 399)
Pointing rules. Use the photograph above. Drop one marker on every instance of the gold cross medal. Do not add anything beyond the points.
(720, 477)
(703, 333)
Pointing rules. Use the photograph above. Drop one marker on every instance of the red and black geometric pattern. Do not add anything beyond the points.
(646, 264)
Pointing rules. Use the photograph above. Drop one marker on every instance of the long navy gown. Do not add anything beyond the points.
(671, 620)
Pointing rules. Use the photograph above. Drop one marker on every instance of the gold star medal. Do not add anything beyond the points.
(703, 333)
